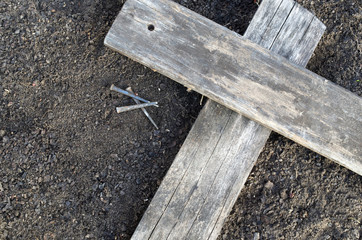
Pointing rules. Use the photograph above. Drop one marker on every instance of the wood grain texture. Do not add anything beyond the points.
(243, 76)
(218, 155)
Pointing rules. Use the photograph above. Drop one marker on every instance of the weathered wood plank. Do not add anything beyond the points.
(218, 186)
(299, 55)
(254, 82)
(226, 164)
(288, 43)
(198, 148)
(268, 27)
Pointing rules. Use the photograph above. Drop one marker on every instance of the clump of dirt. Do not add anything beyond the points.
(72, 168)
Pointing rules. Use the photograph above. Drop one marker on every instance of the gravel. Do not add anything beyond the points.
(71, 168)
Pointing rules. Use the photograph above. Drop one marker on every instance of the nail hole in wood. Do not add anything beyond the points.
(151, 27)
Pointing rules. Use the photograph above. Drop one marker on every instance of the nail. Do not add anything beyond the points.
(129, 89)
(114, 88)
(137, 106)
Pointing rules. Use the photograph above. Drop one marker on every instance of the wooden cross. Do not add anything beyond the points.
(211, 168)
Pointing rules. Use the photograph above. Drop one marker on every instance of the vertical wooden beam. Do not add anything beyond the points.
(203, 183)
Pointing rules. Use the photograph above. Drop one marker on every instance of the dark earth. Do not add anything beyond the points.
(72, 168)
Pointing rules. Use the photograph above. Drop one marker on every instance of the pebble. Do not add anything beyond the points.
(49, 236)
(269, 185)
(89, 236)
(17, 213)
(283, 194)
(162, 86)
(50, 116)
(2, 133)
(37, 210)
(106, 114)
(6, 139)
(123, 228)
(47, 178)
(114, 156)
(256, 236)
(355, 234)
(4, 235)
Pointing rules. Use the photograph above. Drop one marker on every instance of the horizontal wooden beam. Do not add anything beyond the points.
(243, 76)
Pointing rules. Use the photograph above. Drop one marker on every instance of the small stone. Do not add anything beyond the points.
(35, 83)
(52, 142)
(355, 234)
(256, 236)
(4, 235)
(106, 114)
(17, 213)
(283, 194)
(2, 133)
(1, 187)
(37, 210)
(50, 116)
(269, 185)
(104, 173)
(304, 214)
(47, 178)
(123, 228)
(49, 236)
(162, 86)
(6, 139)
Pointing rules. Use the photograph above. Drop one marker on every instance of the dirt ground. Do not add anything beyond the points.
(72, 168)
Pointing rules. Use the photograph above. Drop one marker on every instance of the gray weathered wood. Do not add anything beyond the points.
(270, 20)
(224, 145)
(243, 76)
